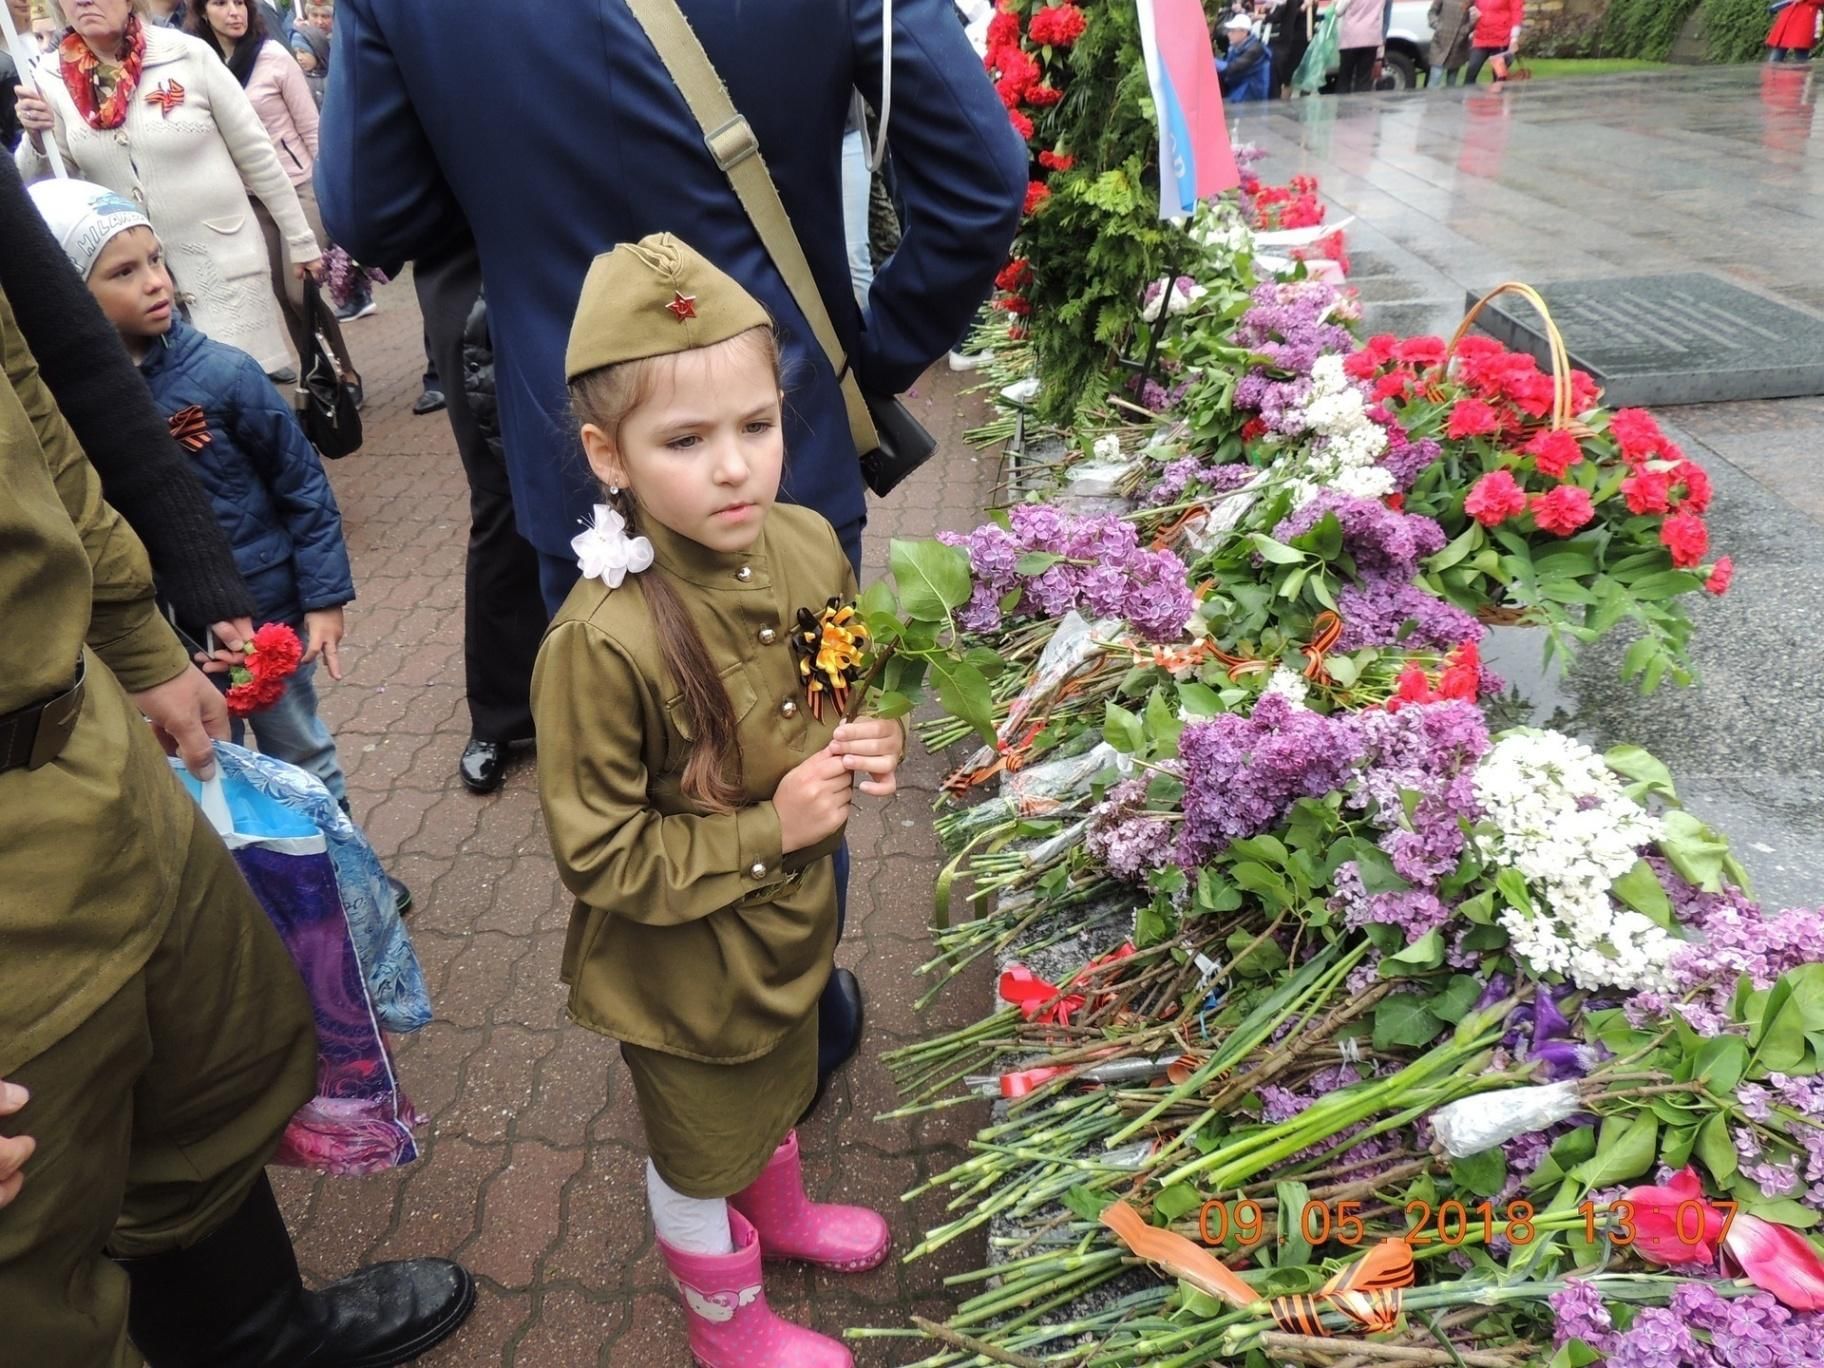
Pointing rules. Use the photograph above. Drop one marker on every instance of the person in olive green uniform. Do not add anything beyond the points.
(696, 776)
(146, 1004)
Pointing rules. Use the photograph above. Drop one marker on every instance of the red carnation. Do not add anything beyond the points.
(1380, 348)
(1585, 392)
(1003, 30)
(1720, 575)
(1021, 124)
(1397, 502)
(1056, 26)
(1010, 91)
(276, 649)
(1462, 677)
(1686, 538)
(1056, 161)
(1360, 365)
(1697, 484)
(1413, 687)
(1015, 275)
(1635, 433)
(1392, 385)
(1472, 418)
(1037, 192)
(1495, 498)
(1018, 305)
(1421, 351)
(1043, 96)
(1254, 429)
(1564, 510)
(1648, 491)
(1554, 452)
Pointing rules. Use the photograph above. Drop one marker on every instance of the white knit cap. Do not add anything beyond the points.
(1238, 22)
(85, 218)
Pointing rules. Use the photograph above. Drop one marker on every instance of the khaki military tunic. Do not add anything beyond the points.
(693, 940)
(145, 999)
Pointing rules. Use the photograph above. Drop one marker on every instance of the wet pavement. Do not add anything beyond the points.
(533, 1166)
(1712, 170)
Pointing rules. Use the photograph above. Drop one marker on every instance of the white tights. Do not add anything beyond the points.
(695, 1225)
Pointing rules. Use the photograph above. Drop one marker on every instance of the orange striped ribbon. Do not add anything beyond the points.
(1369, 1292)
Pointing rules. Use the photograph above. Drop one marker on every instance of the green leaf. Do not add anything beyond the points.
(1467, 541)
(1484, 1174)
(1624, 1150)
(1675, 1149)
(1641, 890)
(1404, 1022)
(1699, 854)
(1631, 762)
(1035, 563)
(1178, 1200)
(932, 578)
(1574, 1354)
(1123, 729)
(1720, 1062)
(990, 663)
(1262, 882)
(1786, 1211)
(1421, 957)
(1274, 553)
(1200, 700)
(1088, 1203)
(888, 705)
(1162, 723)
(1263, 959)
(1294, 1248)
(1716, 1149)
(1510, 883)
(1452, 1004)
(877, 600)
(1377, 871)
(965, 695)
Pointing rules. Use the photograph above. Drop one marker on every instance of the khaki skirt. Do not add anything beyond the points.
(710, 1128)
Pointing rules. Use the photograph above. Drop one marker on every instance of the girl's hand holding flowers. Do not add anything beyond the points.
(873, 748)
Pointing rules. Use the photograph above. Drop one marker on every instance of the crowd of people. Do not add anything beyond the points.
(164, 229)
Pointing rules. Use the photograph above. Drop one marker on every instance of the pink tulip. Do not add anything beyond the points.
(1778, 1259)
(1658, 1235)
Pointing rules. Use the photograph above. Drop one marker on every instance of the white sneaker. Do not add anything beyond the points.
(969, 361)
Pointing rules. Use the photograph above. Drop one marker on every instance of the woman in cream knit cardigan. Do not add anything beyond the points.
(185, 144)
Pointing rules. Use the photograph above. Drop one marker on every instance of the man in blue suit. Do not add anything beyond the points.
(554, 131)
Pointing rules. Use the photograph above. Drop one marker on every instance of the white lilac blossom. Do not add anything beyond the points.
(1289, 684)
(1175, 301)
(1346, 456)
(1560, 817)
(1107, 447)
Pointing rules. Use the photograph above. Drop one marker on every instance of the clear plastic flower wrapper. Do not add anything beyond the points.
(1028, 794)
(1471, 1125)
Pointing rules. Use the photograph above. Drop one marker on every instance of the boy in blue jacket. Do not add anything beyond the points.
(262, 475)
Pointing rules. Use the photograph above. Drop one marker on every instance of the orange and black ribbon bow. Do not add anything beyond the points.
(1369, 1292)
(830, 645)
(1326, 631)
(166, 98)
(190, 426)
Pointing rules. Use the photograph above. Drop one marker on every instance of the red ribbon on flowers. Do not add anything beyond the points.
(1048, 1003)
(1326, 631)
(1166, 535)
(190, 427)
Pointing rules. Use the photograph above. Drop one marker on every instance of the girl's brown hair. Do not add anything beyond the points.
(712, 773)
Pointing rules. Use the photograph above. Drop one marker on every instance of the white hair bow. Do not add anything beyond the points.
(605, 551)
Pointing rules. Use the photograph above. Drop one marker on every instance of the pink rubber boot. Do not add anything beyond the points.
(731, 1326)
(848, 1239)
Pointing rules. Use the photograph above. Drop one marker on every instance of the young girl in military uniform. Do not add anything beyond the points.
(696, 776)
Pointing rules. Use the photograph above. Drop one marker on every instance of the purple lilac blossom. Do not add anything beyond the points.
(1242, 775)
(1123, 838)
(1376, 611)
(1379, 539)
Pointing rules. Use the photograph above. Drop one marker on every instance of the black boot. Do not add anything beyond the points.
(235, 1301)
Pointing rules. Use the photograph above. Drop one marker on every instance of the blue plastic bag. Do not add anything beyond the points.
(327, 897)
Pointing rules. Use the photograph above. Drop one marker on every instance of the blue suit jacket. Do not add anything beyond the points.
(555, 132)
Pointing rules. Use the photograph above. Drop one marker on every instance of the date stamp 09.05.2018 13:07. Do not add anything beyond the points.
(1244, 1223)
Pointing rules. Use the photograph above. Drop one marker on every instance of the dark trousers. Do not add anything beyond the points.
(1477, 56)
(503, 611)
(1355, 75)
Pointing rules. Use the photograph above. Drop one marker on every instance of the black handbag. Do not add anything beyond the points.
(905, 445)
(326, 402)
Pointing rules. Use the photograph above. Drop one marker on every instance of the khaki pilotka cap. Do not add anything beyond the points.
(655, 297)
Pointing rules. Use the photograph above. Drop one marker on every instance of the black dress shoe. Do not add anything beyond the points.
(402, 896)
(483, 765)
(234, 1298)
(428, 402)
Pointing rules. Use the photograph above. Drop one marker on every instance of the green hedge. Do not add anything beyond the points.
(1734, 30)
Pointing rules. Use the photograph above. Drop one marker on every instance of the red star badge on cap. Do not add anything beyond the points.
(683, 305)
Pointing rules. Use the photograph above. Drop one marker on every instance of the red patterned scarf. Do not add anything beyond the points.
(102, 90)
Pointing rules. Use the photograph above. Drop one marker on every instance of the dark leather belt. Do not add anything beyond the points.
(33, 737)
